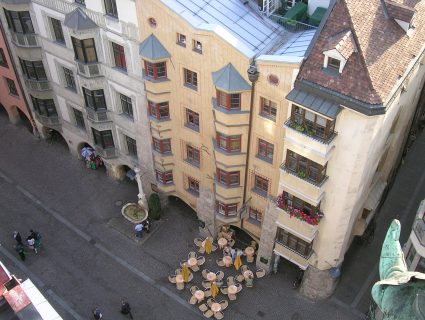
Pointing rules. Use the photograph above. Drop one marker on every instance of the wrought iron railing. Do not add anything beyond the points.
(290, 24)
(305, 131)
(319, 184)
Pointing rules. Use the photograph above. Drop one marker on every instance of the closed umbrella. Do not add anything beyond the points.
(214, 290)
(237, 262)
(208, 245)
(185, 273)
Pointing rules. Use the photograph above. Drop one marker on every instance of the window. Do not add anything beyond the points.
(12, 88)
(111, 8)
(69, 79)
(103, 139)
(44, 107)
(193, 185)
(181, 39)
(197, 46)
(83, 2)
(156, 70)
(162, 146)
(192, 119)
(126, 105)
(159, 110)
(193, 155)
(228, 178)
(268, 108)
(3, 61)
(33, 70)
(311, 123)
(84, 50)
(79, 118)
(334, 63)
(296, 244)
(164, 177)
(288, 200)
(119, 56)
(94, 99)
(265, 150)
(305, 168)
(191, 79)
(19, 21)
(131, 146)
(229, 101)
(57, 30)
(255, 214)
(230, 209)
(261, 185)
(229, 143)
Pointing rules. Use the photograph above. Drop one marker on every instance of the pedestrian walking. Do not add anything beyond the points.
(139, 230)
(126, 309)
(97, 314)
(146, 225)
(18, 237)
(21, 251)
(34, 240)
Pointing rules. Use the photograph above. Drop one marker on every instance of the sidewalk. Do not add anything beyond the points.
(360, 267)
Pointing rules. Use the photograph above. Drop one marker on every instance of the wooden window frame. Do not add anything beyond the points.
(226, 100)
(191, 153)
(84, 45)
(193, 184)
(162, 176)
(333, 65)
(194, 124)
(297, 203)
(227, 209)
(225, 177)
(256, 214)
(162, 146)
(298, 115)
(190, 79)
(260, 182)
(119, 56)
(155, 109)
(289, 240)
(266, 146)
(303, 164)
(228, 140)
(103, 138)
(155, 70)
(266, 107)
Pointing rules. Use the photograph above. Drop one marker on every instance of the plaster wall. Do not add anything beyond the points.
(313, 4)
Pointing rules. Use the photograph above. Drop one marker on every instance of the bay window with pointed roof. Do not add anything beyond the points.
(154, 57)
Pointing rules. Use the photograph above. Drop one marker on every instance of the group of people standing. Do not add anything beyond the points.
(138, 229)
(33, 242)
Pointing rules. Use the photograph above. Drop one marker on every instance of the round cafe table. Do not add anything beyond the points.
(192, 262)
(199, 295)
(232, 289)
(227, 261)
(248, 274)
(249, 251)
(222, 242)
(211, 276)
(216, 307)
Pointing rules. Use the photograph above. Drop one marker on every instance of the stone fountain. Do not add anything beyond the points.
(136, 212)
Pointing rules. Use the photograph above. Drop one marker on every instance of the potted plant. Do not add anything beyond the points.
(301, 174)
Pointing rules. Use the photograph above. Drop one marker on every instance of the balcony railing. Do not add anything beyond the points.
(97, 115)
(47, 120)
(42, 85)
(419, 229)
(25, 39)
(312, 219)
(285, 168)
(290, 24)
(306, 131)
(296, 252)
(107, 153)
(89, 70)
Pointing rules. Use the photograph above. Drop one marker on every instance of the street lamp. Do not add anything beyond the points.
(141, 196)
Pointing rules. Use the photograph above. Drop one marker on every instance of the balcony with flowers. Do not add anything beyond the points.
(298, 216)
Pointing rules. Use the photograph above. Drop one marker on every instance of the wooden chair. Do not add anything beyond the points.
(220, 262)
(172, 279)
(230, 280)
(223, 290)
(201, 260)
(232, 297)
(220, 275)
(206, 284)
(193, 289)
(191, 254)
(203, 307)
(207, 293)
(240, 278)
(193, 300)
(198, 242)
(194, 268)
(218, 315)
(204, 273)
(224, 304)
(260, 273)
(208, 314)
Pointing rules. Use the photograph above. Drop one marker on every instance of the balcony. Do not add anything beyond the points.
(90, 70)
(296, 225)
(25, 39)
(97, 115)
(291, 255)
(107, 153)
(37, 85)
(47, 120)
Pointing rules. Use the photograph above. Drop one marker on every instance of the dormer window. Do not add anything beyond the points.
(334, 64)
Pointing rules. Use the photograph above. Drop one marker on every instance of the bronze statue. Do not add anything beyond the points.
(400, 294)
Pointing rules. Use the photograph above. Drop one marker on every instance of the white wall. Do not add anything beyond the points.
(313, 4)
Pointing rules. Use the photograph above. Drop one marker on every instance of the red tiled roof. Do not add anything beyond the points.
(384, 49)
(343, 42)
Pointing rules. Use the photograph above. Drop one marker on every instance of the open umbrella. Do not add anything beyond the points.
(214, 289)
(86, 152)
(237, 262)
(185, 272)
(208, 245)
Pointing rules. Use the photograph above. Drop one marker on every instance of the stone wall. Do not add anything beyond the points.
(317, 284)
(206, 212)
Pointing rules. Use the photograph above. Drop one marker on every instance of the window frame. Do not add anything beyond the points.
(193, 155)
(266, 107)
(44, 107)
(289, 240)
(22, 17)
(131, 145)
(289, 200)
(103, 139)
(162, 146)
(228, 140)
(256, 215)
(296, 163)
(192, 120)
(33, 70)
(260, 182)
(118, 52)
(267, 154)
(225, 100)
(190, 79)
(81, 2)
(11, 86)
(155, 108)
(81, 43)
(69, 79)
(111, 8)
(57, 30)
(193, 185)
(79, 118)
(94, 98)
(225, 178)
(226, 209)
(151, 70)
(298, 116)
(197, 46)
(126, 105)
(161, 177)
(333, 65)
(3, 60)
(181, 39)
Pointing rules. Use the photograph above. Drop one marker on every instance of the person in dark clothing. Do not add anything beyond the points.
(97, 314)
(18, 237)
(126, 309)
(20, 249)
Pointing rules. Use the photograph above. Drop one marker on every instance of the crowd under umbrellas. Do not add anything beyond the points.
(213, 291)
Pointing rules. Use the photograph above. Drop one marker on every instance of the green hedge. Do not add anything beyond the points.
(154, 206)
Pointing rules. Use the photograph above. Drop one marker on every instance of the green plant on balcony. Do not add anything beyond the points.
(299, 127)
(301, 174)
(312, 219)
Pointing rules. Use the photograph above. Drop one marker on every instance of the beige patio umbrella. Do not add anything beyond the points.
(238, 262)
(185, 272)
(208, 245)
(214, 289)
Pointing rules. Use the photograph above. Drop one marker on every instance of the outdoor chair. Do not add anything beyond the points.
(250, 259)
(182, 263)
(190, 277)
(219, 283)
(206, 284)
(172, 279)
(201, 249)
(207, 293)
(231, 242)
(244, 268)
(203, 307)
(210, 301)
(220, 275)
(191, 254)
(239, 286)
(240, 278)
(208, 314)
(223, 290)
(220, 262)
(204, 273)
(230, 280)
(218, 315)
(193, 300)
(198, 242)
(260, 273)
(193, 289)
(214, 247)
(201, 260)
(178, 271)
(224, 304)
(232, 297)
(194, 268)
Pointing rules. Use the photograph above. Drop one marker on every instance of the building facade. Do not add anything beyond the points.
(414, 249)
(79, 63)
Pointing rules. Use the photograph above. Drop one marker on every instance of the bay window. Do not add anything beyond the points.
(312, 123)
(44, 107)
(103, 139)
(19, 21)
(255, 214)
(33, 70)
(95, 99)
(261, 185)
(162, 145)
(193, 155)
(289, 240)
(229, 101)
(84, 50)
(229, 143)
(224, 209)
(164, 177)
(159, 110)
(228, 178)
(155, 70)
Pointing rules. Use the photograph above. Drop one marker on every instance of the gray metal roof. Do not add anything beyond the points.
(229, 79)
(315, 103)
(78, 20)
(152, 49)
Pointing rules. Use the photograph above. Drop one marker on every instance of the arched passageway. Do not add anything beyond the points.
(25, 121)
(53, 136)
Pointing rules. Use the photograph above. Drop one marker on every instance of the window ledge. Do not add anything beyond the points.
(193, 128)
(159, 154)
(153, 80)
(74, 90)
(331, 72)
(190, 86)
(193, 163)
(260, 192)
(87, 63)
(227, 111)
(181, 44)
(227, 153)
(60, 43)
(193, 192)
(225, 186)
(267, 116)
(197, 50)
(126, 116)
(119, 69)
(159, 120)
(268, 160)
(111, 17)
(254, 222)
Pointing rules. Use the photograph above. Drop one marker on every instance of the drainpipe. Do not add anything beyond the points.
(253, 75)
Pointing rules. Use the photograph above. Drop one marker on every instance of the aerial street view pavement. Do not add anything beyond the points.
(190, 159)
